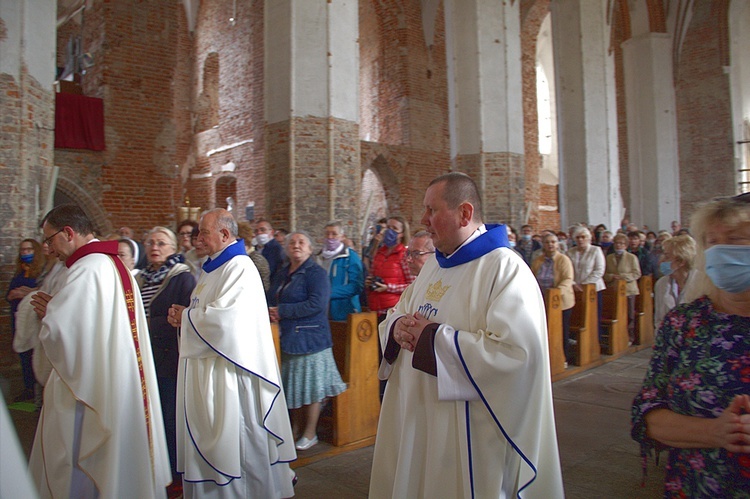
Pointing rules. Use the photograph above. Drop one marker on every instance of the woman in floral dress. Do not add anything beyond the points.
(695, 399)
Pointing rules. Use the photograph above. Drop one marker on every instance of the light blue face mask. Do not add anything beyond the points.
(728, 266)
(665, 268)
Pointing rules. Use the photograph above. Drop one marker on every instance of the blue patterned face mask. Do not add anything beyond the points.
(665, 268)
(728, 266)
(27, 258)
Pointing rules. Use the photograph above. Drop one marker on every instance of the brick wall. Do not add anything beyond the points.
(619, 31)
(26, 157)
(548, 196)
(403, 106)
(140, 51)
(704, 113)
(533, 14)
(228, 104)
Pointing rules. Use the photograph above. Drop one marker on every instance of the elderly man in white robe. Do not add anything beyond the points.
(234, 438)
(467, 410)
(100, 433)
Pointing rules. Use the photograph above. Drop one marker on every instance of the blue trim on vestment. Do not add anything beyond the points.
(494, 417)
(237, 248)
(278, 388)
(190, 433)
(495, 237)
(468, 445)
(230, 252)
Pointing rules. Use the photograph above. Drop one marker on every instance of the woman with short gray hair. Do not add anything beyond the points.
(308, 370)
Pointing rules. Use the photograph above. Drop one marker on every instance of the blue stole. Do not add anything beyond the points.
(235, 249)
(495, 237)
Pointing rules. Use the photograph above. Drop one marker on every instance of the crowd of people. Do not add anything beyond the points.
(158, 367)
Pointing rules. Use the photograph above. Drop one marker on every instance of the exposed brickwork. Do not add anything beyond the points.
(228, 103)
(403, 82)
(548, 197)
(404, 174)
(134, 182)
(225, 187)
(620, 33)
(704, 126)
(26, 158)
(501, 178)
(533, 14)
(303, 194)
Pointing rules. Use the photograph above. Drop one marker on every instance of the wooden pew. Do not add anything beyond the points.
(276, 340)
(553, 307)
(644, 307)
(355, 348)
(615, 318)
(584, 325)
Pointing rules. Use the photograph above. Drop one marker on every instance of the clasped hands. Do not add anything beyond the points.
(174, 316)
(408, 329)
(732, 427)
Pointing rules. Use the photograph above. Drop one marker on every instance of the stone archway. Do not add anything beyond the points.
(67, 190)
(380, 186)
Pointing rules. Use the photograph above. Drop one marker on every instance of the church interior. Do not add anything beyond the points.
(147, 112)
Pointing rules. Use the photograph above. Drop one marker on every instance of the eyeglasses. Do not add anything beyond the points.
(186, 234)
(416, 253)
(48, 241)
(160, 244)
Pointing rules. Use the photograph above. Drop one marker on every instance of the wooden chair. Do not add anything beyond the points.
(553, 307)
(584, 325)
(644, 306)
(355, 348)
(615, 318)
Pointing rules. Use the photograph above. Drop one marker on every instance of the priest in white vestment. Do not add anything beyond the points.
(100, 432)
(467, 410)
(234, 438)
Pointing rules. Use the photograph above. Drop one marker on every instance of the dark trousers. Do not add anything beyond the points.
(381, 318)
(168, 397)
(600, 301)
(566, 315)
(28, 371)
(631, 318)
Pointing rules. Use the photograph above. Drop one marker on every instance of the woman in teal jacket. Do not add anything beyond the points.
(345, 272)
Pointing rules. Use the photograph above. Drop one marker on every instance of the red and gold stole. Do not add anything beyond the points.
(110, 248)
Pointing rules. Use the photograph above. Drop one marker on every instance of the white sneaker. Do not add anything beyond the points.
(305, 443)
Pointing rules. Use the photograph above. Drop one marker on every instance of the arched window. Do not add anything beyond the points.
(544, 111)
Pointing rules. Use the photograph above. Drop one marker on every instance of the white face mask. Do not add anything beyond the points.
(263, 239)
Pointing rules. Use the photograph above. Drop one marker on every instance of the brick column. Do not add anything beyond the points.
(587, 113)
(486, 114)
(652, 130)
(312, 113)
(27, 71)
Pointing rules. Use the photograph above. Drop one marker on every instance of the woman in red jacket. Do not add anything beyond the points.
(389, 274)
